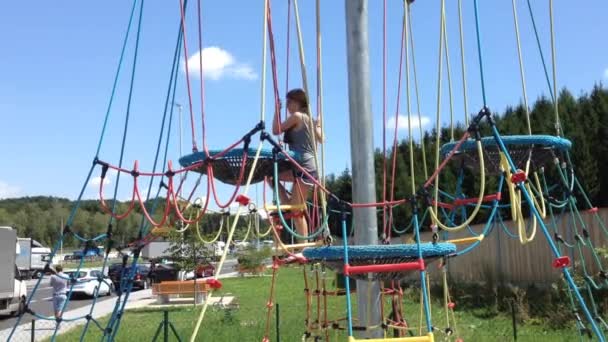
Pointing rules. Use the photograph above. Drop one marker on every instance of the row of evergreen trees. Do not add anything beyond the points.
(584, 121)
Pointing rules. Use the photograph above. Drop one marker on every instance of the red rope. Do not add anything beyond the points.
(145, 211)
(200, 64)
(108, 210)
(238, 184)
(183, 19)
(395, 143)
(288, 46)
(273, 61)
(447, 159)
(177, 210)
(270, 304)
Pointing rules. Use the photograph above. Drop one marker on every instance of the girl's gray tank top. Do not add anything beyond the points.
(301, 141)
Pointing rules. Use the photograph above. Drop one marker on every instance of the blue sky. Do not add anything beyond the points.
(59, 59)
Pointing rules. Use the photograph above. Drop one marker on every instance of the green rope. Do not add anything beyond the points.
(277, 199)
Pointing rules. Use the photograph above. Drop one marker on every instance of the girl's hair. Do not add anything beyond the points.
(300, 97)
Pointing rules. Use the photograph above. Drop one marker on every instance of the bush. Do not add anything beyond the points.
(251, 260)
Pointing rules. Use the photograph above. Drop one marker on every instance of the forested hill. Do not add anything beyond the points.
(42, 218)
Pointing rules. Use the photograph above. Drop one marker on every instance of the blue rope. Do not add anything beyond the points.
(144, 224)
(427, 309)
(554, 249)
(280, 212)
(488, 227)
(114, 86)
(540, 50)
(483, 85)
(349, 310)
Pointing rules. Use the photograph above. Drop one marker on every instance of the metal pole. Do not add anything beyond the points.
(277, 317)
(33, 337)
(166, 326)
(362, 151)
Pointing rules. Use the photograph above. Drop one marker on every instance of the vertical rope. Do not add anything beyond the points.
(305, 86)
(408, 98)
(558, 127)
(521, 68)
(200, 64)
(384, 175)
(422, 142)
(448, 70)
(320, 118)
(462, 65)
(438, 114)
(479, 54)
(185, 44)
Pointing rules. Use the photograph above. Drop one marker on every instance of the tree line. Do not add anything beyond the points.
(584, 121)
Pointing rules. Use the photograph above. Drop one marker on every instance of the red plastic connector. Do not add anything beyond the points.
(561, 262)
(214, 283)
(519, 177)
(242, 199)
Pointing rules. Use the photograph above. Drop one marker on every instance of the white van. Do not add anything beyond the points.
(13, 290)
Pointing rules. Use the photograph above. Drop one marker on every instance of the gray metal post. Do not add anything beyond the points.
(362, 150)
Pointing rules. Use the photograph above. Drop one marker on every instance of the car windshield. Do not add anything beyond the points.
(76, 275)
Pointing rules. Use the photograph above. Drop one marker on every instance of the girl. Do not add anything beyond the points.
(301, 133)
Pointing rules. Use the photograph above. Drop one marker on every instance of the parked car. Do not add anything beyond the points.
(205, 270)
(140, 278)
(87, 280)
(163, 272)
(171, 271)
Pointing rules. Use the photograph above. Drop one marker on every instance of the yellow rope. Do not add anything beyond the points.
(558, 125)
(439, 78)
(247, 185)
(516, 202)
(449, 72)
(217, 236)
(482, 175)
(446, 295)
(462, 65)
(305, 86)
(521, 67)
(266, 233)
(320, 94)
(422, 143)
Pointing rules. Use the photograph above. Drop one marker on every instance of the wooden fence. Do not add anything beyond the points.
(504, 259)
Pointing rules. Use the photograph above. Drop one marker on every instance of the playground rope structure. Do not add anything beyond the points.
(386, 262)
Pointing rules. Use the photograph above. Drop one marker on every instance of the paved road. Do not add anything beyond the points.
(41, 303)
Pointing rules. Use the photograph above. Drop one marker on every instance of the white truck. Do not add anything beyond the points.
(13, 291)
(32, 257)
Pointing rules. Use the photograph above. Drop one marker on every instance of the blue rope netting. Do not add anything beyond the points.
(512, 141)
(377, 252)
(227, 167)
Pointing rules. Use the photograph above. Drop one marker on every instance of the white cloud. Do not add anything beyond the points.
(8, 191)
(403, 122)
(95, 181)
(606, 74)
(218, 63)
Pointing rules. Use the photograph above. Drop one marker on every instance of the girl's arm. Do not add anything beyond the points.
(277, 128)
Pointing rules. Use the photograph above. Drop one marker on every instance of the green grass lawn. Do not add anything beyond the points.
(249, 321)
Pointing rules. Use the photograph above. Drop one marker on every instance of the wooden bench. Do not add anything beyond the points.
(166, 289)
